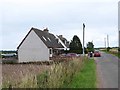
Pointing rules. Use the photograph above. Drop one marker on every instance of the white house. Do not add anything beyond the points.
(38, 45)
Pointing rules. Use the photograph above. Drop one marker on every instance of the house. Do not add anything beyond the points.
(38, 45)
(64, 42)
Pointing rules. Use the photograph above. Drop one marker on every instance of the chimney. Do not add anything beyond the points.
(61, 36)
(46, 30)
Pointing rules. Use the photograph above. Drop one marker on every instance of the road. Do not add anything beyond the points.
(107, 70)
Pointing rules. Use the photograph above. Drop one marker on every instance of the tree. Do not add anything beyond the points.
(90, 47)
(75, 45)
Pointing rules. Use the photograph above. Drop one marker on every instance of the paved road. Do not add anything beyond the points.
(107, 70)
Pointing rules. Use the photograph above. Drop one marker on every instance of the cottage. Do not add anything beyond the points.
(38, 45)
(64, 42)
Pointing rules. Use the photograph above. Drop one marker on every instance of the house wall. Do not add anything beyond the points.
(33, 49)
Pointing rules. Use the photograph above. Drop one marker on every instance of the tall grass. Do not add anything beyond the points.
(59, 75)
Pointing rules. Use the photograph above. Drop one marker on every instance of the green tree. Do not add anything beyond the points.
(90, 47)
(75, 45)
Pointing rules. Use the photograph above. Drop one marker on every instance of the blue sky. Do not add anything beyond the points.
(61, 17)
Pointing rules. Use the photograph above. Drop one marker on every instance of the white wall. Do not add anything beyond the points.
(33, 49)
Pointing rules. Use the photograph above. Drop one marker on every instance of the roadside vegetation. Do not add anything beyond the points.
(75, 73)
(0, 54)
(113, 51)
(86, 77)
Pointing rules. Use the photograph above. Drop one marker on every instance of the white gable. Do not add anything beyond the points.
(33, 49)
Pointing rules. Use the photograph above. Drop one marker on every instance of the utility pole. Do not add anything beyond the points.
(107, 40)
(83, 38)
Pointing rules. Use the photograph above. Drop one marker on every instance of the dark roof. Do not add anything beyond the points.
(64, 40)
(49, 39)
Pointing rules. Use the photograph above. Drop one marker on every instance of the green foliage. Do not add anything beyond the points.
(108, 49)
(0, 54)
(75, 45)
(85, 50)
(10, 51)
(119, 49)
(90, 47)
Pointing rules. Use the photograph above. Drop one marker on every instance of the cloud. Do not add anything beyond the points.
(61, 17)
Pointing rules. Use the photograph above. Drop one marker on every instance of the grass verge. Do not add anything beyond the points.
(74, 75)
(86, 77)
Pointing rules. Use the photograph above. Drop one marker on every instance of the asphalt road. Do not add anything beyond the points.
(107, 71)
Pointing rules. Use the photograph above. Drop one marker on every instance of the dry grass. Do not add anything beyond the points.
(56, 75)
(60, 75)
(14, 74)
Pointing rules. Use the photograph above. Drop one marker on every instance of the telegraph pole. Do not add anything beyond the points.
(83, 38)
(107, 40)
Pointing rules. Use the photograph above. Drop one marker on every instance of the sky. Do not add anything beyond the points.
(61, 17)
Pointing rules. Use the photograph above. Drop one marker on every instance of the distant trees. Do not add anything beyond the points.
(90, 47)
(118, 49)
(75, 45)
(108, 49)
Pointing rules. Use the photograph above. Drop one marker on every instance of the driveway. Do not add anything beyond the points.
(107, 71)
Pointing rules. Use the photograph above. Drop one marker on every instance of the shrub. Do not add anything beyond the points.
(119, 49)
(108, 49)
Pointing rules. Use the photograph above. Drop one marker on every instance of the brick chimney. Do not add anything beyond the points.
(46, 30)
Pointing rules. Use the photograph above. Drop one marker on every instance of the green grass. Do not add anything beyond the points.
(86, 77)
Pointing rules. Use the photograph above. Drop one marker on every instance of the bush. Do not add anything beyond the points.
(108, 49)
(119, 49)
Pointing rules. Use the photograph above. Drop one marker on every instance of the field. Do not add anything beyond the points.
(113, 51)
(56, 75)
(13, 74)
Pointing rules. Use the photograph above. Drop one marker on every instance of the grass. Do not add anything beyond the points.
(75, 73)
(60, 75)
(86, 77)
(113, 53)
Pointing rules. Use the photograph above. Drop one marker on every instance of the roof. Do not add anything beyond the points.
(49, 39)
(64, 40)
